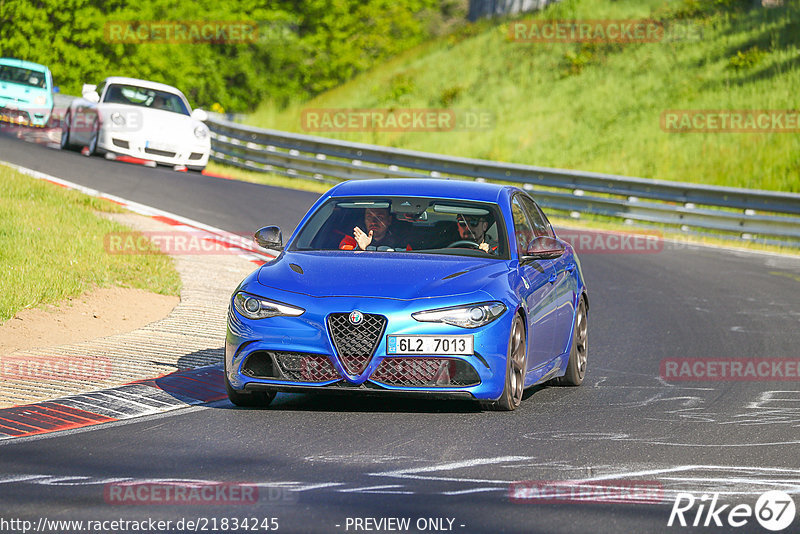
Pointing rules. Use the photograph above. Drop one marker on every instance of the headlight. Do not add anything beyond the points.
(118, 119)
(258, 308)
(471, 316)
(201, 132)
(40, 100)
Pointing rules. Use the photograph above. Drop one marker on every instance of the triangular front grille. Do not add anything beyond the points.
(356, 343)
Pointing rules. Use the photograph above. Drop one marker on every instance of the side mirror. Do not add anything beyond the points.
(544, 248)
(269, 237)
(200, 115)
(56, 89)
(89, 92)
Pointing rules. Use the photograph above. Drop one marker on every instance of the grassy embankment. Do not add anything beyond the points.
(51, 247)
(597, 107)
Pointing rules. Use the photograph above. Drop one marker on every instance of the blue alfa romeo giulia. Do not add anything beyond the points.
(435, 287)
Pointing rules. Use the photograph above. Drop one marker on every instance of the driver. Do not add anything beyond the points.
(473, 228)
(377, 221)
(159, 102)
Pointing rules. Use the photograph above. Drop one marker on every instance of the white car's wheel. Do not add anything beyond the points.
(65, 126)
(93, 139)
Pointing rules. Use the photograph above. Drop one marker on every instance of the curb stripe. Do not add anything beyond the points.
(142, 397)
(25, 423)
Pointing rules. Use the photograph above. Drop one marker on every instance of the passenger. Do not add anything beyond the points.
(474, 229)
(377, 221)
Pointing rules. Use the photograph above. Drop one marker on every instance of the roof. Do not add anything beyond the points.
(143, 83)
(22, 63)
(458, 189)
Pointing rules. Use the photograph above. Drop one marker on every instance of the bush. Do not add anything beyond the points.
(302, 48)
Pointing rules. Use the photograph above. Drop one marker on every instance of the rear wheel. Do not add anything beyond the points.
(578, 354)
(515, 369)
(249, 399)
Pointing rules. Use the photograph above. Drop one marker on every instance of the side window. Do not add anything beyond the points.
(100, 90)
(523, 231)
(535, 216)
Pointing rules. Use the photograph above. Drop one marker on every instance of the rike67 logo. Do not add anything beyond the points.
(774, 510)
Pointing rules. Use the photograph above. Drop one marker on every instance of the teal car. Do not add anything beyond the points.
(26, 92)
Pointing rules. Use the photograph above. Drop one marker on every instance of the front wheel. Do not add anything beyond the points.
(578, 353)
(65, 144)
(93, 140)
(251, 399)
(515, 370)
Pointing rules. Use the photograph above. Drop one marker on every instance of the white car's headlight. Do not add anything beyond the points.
(40, 100)
(117, 118)
(201, 132)
(254, 307)
(470, 316)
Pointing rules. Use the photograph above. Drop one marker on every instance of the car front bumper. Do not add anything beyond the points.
(190, 154)
(308, 336)
(20, 115)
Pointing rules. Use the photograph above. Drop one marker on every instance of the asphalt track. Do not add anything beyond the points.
(319, 460)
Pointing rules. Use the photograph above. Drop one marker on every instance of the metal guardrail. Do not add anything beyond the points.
(766, 216)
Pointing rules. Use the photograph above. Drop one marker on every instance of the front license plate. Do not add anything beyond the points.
(429, 345)
(160, 146)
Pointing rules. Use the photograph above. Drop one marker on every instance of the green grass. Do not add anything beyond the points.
(598, 107)
(51, 247)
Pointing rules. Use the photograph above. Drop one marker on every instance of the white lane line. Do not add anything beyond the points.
(751, 481)
(386, 486)
(415, 473)
(320, 485)
(473, 490)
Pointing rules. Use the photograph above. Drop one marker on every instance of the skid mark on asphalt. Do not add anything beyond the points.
(728, 481)
(690, 404)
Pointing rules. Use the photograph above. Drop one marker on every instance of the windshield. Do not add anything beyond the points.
(406, 224)
(149, 98)
(22, 76)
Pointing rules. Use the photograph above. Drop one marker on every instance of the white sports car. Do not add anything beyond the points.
(137, 118)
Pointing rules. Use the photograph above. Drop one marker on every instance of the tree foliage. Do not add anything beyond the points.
(303, 47)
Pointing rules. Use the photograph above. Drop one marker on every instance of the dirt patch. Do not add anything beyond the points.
(99, 313)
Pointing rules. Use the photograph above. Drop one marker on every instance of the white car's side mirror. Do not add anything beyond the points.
(89, 92)
(199, 115)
